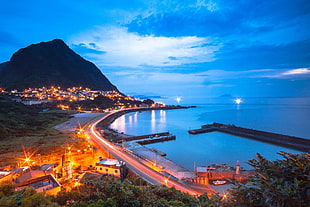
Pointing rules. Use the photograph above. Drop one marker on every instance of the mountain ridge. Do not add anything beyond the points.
(51, 63)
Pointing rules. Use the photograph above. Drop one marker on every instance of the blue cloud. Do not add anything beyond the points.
(85, 49)
(234, 57)
(249, 18)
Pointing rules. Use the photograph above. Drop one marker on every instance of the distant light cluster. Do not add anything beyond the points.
(59, 94)
(49, 94)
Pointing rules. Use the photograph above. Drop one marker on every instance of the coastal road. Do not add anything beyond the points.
(148, 174)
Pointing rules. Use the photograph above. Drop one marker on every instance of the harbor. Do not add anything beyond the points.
(171, 166)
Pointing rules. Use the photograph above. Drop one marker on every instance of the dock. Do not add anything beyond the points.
(148, 138)
(161, 139)
(280, 139)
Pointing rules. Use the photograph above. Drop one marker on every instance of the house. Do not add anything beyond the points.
(27, 175)
(46, 183)
(109, 167)
(5, 176)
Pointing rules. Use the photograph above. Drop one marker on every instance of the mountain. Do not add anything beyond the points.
(51, 63)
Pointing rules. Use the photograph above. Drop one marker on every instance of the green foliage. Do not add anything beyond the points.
(110, 191)
(148, 101)
(204, 200)
(6, 190)
(24, 198)
(282, 182)
(16, 119)
(101, 102)
(63, 197)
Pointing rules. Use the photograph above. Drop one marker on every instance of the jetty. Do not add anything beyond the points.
(280, 139)
(148, 138)
(161, 139)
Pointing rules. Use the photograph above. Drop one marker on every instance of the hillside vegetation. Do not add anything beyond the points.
(29, 128)
(17, 119)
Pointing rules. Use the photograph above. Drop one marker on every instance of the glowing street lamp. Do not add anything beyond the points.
(27, 156)
(77, 184)
(225, 197)
(166, 181)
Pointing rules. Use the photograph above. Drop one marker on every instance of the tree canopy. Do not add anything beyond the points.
(283, 182)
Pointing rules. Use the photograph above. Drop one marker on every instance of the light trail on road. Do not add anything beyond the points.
(147, 173)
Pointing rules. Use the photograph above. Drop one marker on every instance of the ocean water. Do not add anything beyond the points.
(289, 116)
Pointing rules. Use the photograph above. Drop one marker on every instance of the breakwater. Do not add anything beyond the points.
(131, 138)
(280, 139)
(161, 139)
(147, 139)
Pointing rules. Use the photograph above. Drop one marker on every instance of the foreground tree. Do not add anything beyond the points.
(110, 191)
(280, 183)
(23, 198)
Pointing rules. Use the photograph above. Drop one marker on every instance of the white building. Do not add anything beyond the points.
(109, 166)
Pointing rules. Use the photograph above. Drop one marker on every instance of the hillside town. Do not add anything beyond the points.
(64, 97)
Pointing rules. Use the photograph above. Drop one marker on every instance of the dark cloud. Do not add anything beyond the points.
(234, 57)
(232, 17)
(267, 87)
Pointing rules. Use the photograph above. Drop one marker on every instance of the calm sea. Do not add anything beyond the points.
(289, 116)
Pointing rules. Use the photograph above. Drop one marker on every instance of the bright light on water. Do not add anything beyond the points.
(178, 99)
(238, 100)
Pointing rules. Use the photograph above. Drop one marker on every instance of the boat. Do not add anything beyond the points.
(219, 182)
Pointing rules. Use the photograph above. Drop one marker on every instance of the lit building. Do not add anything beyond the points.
(46, 183)
(109, 166)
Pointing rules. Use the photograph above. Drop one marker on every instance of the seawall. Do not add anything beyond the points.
(280, 139)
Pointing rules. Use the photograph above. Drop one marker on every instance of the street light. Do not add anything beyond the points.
(166, 181)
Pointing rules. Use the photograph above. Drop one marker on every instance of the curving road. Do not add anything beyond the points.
(147, 173)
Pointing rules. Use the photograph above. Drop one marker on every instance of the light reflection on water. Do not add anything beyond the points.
(120, 124)
(153, 120)
(162, 116)
(209, 148)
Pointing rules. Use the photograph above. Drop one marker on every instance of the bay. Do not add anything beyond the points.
(289, 116)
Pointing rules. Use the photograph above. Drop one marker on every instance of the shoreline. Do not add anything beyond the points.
(105, 124)
(109, 120)
(149, 154)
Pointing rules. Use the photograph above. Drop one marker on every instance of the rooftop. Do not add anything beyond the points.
(108, 161)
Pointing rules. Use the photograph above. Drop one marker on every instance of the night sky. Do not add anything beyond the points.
(193, 49)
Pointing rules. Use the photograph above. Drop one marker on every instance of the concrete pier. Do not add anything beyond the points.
(280, 139)
(161, 139)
